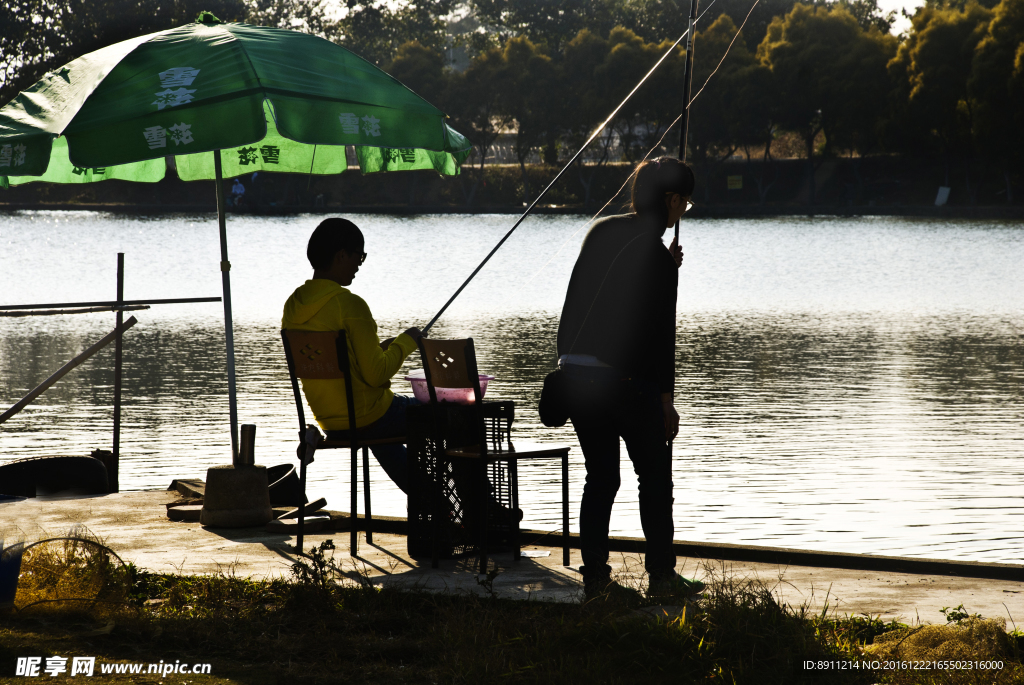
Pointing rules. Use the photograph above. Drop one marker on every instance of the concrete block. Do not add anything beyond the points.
(236, 497)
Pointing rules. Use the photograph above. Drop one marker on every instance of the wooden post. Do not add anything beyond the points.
(112, 469)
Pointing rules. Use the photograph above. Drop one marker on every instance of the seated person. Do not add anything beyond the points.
(324, 303)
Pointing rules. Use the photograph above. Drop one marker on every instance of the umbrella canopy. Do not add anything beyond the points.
(214, 86)
(223, 99)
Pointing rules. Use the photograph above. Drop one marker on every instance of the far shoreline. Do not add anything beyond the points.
(981, 212)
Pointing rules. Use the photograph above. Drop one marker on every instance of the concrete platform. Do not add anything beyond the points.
(136, 526)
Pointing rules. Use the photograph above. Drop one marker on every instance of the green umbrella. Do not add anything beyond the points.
(223, 100)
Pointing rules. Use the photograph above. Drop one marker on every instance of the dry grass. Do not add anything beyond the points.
(314, 629)
(73, 574)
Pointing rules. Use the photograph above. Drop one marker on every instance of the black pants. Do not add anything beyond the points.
(604, 407)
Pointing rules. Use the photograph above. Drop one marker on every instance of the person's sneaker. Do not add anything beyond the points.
(606, 590)
(675, 585)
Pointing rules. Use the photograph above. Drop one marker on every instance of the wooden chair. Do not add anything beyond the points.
(452, 364)
(323, 355)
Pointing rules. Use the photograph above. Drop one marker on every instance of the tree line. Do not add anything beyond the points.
(950, 90)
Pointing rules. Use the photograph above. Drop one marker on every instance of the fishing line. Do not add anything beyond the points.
(589, 221)
(740, 30)
(559, 175)
(649, 152)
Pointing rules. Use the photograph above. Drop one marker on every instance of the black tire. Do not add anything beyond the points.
(53, 475)
(276, 473)
(285, 486)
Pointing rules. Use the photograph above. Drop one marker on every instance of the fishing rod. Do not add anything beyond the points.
(565, 168)
(657, 145)
(687, 79)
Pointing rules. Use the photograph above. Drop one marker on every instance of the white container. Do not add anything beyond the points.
(418, 380)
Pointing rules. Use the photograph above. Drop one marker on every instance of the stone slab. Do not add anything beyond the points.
(135, 524)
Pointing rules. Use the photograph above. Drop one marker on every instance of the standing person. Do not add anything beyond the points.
(616, 347)
(324, 303)
(237, 192)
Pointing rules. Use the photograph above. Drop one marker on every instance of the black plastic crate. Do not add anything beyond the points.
(447, 487)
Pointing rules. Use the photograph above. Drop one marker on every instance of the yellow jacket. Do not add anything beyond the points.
(323, 305)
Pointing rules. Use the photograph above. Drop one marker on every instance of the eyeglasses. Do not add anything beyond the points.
(689, 204)
(362, 258)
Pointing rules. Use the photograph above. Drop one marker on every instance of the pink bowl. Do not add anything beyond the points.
(456, 395)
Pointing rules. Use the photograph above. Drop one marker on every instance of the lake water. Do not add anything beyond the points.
(848, 385)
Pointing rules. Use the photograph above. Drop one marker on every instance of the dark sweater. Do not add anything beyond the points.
(621, 302)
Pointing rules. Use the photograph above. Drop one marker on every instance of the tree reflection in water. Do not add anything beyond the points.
(859, 432)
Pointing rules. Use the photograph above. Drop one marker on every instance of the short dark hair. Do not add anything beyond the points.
(329, 238)
(656, 177)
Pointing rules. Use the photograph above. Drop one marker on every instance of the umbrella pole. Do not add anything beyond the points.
(229, 334)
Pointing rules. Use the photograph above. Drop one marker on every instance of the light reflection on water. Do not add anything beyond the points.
(844, 385)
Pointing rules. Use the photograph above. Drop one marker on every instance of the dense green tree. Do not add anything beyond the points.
(374, 29)
(310, 16)
(586, 103)
(643, 121)
(655, 20)
(826, 68)
(474, 102)
(37, 36)
(547, 23)
(960, 5)
(862, 85)
(422, 69)
(551, 72)
(997, 87)
(754, 117)
(868, 14)
(718, 113)
(528, 82)
(935, 108)
(738, 108)
(658, 20)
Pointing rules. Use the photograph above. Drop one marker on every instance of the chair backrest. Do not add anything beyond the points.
(318, 355)
(314, 354)
(450, 364)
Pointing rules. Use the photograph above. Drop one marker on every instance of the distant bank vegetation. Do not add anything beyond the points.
(819, 81)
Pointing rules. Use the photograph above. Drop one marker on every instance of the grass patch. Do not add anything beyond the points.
(313, 629)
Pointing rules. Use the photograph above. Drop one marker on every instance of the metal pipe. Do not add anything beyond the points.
(111, 304)
(64, 370)
(229, 335)
(85, 310)
(112, 472)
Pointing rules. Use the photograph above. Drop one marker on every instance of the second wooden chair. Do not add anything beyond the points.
(452, 364)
